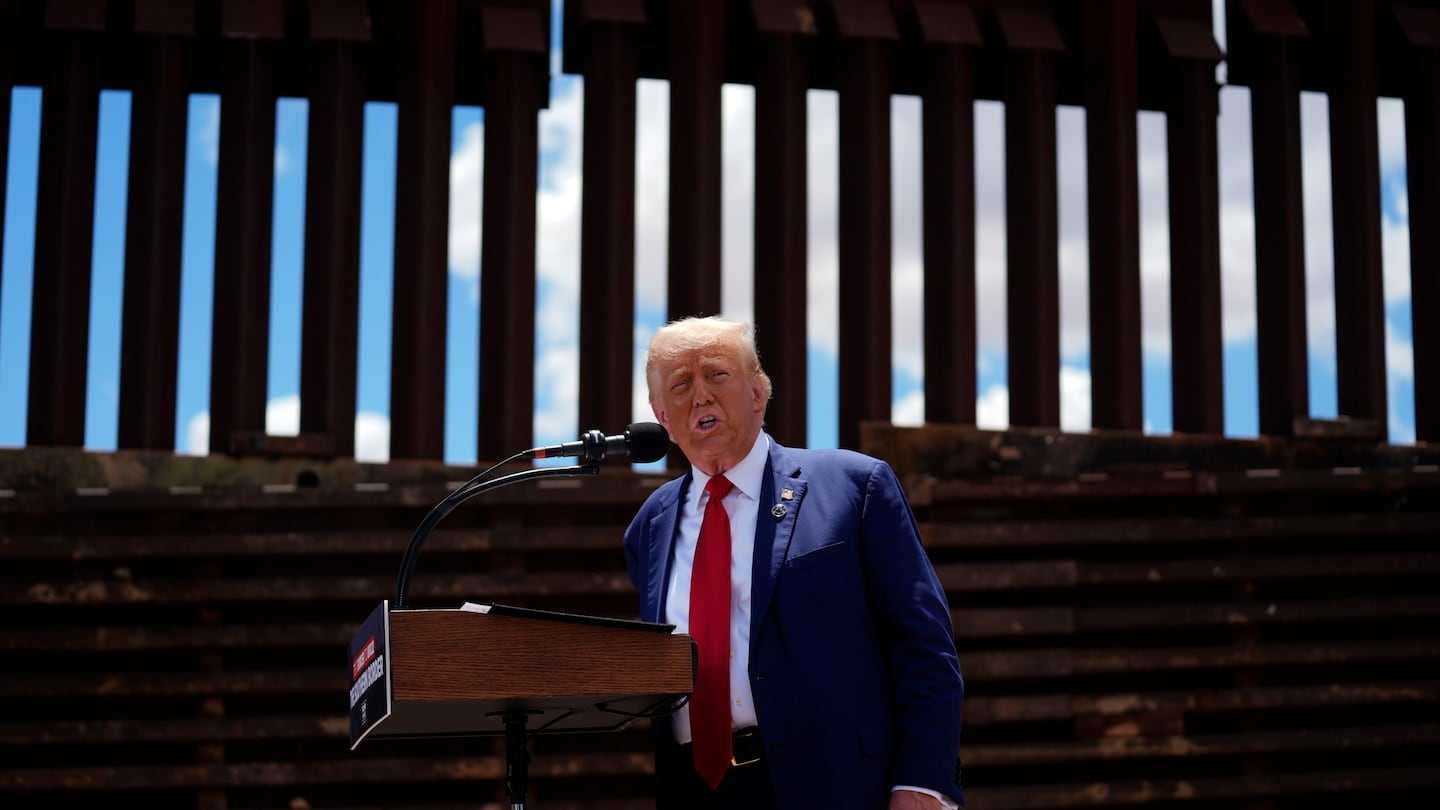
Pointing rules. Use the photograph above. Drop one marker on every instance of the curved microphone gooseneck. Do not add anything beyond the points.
(643, 442)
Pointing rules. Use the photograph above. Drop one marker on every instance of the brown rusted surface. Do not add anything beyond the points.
(1093, 619)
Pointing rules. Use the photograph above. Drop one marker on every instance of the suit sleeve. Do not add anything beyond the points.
(634, 544)
(913, 617)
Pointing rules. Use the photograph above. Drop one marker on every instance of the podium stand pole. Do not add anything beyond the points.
(517, 758)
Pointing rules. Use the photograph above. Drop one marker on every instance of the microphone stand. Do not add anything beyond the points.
(459, 496)
(517, 758)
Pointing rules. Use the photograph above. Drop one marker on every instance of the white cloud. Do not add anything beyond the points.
(372, 437)
(1395, 258)
(558, 390)
(557, 253)
(1072, 189)
(1390, 118)
(652, 192)
(1394, 231)
(1237, 219)
(822, 310)
(467, 173)
(1074, 399)
(1399, 353)
(1401, 431)
(992, 410)
(909, 409)
(990, 240)
(282, 416)
(197, 435)
(907, 251)
(282, 160)
(737, 204)
(1154, 201)
(205, 112)
(1318, 219)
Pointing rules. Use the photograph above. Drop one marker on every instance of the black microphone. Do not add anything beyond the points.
(643, 442)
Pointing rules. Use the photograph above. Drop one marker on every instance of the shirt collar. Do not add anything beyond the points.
(746, 476)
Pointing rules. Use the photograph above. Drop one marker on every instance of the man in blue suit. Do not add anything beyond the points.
(841, 679)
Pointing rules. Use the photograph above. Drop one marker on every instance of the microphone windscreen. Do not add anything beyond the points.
(648, 442)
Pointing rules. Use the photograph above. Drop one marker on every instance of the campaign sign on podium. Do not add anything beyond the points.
(370, 687)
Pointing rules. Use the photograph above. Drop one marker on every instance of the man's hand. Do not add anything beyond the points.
(910, 800)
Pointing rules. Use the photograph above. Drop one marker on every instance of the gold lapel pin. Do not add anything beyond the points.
(787, 494)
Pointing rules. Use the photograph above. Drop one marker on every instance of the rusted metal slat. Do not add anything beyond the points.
(312, 772)
(1279, 226)
(780, 284)
(1214, 745)
(1032, 312)
(1245, 568)
(1012, 575)
(422, 206)
(331, 310)
(515, 75)
(1204, 485)
(1017, 622)
(240, 337)
(1113, 192)
(1279, 612)
(542, 540)
(174, 684)
(696, 44)
(117, 639)
(1008, 575)
(607, 215)
(450, 590)
(864, 239)
(867, 34)
(150, 328)
(1149, 535)
(186, 729)
(948, 136)
(1197, 379)
(1007, 622)
(8, 39)
(993, 709)
(1355, 208)
(1330, 783)
(992, 667)
(988, 457)
(64, 209)
(1422, 128)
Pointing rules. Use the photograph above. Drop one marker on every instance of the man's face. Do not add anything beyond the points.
(712, 405)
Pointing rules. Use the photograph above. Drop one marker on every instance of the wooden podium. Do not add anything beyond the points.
(512, 671)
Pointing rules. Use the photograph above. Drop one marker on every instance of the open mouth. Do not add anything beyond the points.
(707, 422)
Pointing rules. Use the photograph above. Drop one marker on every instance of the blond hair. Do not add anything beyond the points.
(692, 334)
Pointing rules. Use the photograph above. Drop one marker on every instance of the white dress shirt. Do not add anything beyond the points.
(742, 504)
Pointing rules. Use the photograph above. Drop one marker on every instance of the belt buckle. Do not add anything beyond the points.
(751, 760)
(754, 750)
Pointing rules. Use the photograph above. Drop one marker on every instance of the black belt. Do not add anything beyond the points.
(746, 747)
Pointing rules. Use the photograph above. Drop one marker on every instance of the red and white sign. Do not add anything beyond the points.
(366, 655)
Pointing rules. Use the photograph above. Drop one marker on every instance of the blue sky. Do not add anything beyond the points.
(558, 260)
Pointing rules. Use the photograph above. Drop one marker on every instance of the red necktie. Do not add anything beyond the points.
(710, 627)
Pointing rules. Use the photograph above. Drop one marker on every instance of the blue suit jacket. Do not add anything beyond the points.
(852, 653)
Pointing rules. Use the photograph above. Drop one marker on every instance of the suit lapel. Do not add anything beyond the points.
(774, 527)
(662, 532)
